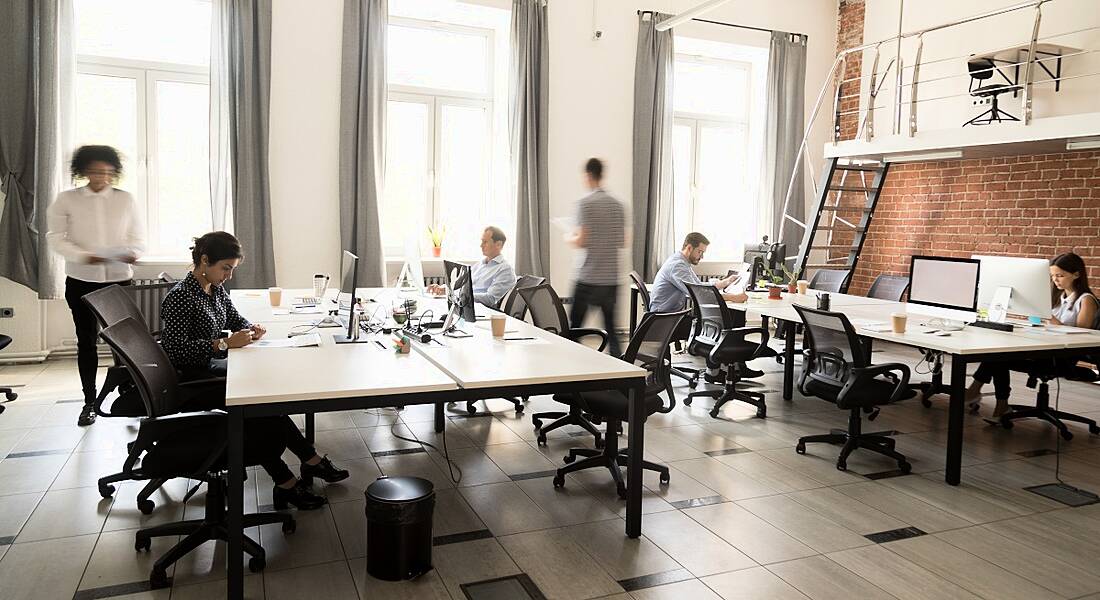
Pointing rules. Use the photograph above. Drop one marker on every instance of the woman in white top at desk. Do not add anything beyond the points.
(98, 229)
(1077, 307)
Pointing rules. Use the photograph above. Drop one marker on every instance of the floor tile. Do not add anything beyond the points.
(621, 557)
(428, 586)
(331, 580)
(750, 584)
(45, 569)
(804, 524)
(60, 437)
(467, 562)
(65, 513)
(567, 505)
(168, 505)
(477, 468)
(114, 560)
(518, 457)
(903, 507)
(727, 481)
(822, 579)
(693, 588)
(316, 541)
(453, 515)
(505, 509)
(363, 472)
(846, 511)
(692, 545)
(758, 539)
(559, 566)
(351, 526)
(31, 474)
(14, 512)
(772, 474)
(898, 576)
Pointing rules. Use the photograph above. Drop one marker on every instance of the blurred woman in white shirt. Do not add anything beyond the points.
(99, 231)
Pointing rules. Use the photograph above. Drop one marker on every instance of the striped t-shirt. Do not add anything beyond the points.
(604, 220)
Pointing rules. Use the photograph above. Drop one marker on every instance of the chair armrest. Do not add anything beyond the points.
(154, 429)
(860, 375)
(580, 332)
(737, 334)
(201, 383)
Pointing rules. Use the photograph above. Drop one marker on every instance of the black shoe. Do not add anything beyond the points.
(299, 495)
(719, 379)
(87, 416)
(747, 373)
(323, 470)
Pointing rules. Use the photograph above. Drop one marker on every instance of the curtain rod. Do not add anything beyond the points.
(727, 24)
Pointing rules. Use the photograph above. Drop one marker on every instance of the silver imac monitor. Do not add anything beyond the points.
(944, 288)
(1029, 279)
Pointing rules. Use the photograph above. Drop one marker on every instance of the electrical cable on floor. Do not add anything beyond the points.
(452, 466)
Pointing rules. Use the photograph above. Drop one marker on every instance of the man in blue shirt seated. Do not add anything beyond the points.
(669, 293)
(492, 276)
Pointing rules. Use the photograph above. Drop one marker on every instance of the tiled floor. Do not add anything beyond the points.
(744, 516)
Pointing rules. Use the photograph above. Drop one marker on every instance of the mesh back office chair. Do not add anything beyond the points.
(512, 305)
(547, 312)
(836, 368)
(889, 287)
(171, 444)
(682, 333)
(983, 69)
(829, 280)
(648, 348)
(9, 395)
(719, 335)
(1039, 375)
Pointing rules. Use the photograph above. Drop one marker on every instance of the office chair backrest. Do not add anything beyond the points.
(152, 372)
(649, 349)
(512, 304)
(547, 311)
(711, 313)
(111, 305)
(643, 291)
(833, 349)
(829, 280)
(980, 68)
(889, 287)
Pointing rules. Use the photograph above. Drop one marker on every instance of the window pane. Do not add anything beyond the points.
(175, 31)
(434, 58)
(405, 200)
(681, 181)
(715, 87)
(724, 199)
(464, 200)
(182, 166)
(106, 113)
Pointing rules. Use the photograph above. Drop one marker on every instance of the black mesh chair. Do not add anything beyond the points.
(889, 287)
(983, 69)
(1039, 375)
(719, 335)
(682, 333)
(172, 444)
(547, 312)
(829, 280)
(836, 368)
(9, 395)
(647, 349)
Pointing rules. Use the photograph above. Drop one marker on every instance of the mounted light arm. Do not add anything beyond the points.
(689, 14)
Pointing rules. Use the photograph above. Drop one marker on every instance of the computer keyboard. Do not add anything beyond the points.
(307, 300)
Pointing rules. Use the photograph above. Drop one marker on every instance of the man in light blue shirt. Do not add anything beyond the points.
(669, 294)
(492, 276)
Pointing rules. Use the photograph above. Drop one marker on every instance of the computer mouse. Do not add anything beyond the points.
(942, 333)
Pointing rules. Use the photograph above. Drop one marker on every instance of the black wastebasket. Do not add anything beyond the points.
(399, 527)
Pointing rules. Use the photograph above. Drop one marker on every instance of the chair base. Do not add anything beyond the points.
(993, 115)
(1043, 410)
(854, 438)
(573, 417)
(517, 403)
(730, 392)
(213, 526)
(611, 457)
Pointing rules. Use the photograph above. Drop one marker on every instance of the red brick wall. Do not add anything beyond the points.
(850, 34)
(1035, 206)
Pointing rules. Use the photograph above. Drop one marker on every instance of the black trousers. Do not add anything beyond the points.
(87, 331)
(604, 297)
(998, 371)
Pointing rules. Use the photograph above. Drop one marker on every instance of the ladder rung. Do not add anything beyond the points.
(848, 188)
(869, 168)
(835, 228)
(847, 208)
(834, 247)
(845, 267)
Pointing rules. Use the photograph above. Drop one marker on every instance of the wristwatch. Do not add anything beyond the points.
(223, 345)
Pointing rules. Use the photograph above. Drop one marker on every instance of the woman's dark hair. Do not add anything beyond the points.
(86, 155)
(216, 245)
(1071, 263)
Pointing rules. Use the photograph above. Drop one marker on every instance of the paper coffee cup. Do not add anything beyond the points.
(497, 322)
(276, 295)
(897, 321)
(803, 285)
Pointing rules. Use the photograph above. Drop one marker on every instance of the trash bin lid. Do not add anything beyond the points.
(399, 489)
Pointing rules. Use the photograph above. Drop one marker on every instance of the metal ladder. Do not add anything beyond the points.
(838, 219)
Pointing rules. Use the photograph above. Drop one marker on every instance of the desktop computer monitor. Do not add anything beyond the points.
(349, 279)
(1029, 279)
(944, 287)
(460, 282)
(764, 255)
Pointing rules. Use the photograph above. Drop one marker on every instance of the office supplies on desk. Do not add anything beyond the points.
(298, 341)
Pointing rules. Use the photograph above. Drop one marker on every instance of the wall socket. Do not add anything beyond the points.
(7, 312)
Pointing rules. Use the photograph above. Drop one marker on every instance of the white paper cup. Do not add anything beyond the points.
(275, 294)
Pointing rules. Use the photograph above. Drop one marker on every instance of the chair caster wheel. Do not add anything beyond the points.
(925, 402)
(599, 441)
(541, 440)
(665, 478)
(537, 423)
(146, 506)
(106, 490)
(693, 384)
(559, 481)
(256, 564)
(904, 466)
(142, 543)
(687, 401)
(290, 527)
(841, 465)
(11, 396)
(472, 410)
(761, 412)
(1067, 435)
(159, 579)
(1094, 429)
(714, 412)
(800, 448)
(621, 489)
(569, 458)
(1006, 423)
(519, 411)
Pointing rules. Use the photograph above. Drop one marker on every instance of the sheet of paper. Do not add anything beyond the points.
(1067, 330)
(280, 311)
(298, 341)
(308, 310)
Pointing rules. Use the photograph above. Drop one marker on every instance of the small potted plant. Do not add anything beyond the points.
(774, 281)
(436, 234)
(792, 278)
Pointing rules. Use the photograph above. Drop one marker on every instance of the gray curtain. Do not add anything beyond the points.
(35, 43)
(652, 207)
(363, 135)
(529, 127)
(786, 92)
(240, 102)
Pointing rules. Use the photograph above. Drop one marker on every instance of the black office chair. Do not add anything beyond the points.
(9, 395)
(547, 312)
(1040, 376)
(512, 305)
(682, 333)
(889, 287)
(648, 348)
(983, 69)
(719, 335)
(829, 280)
(836, 368)
(171, 444)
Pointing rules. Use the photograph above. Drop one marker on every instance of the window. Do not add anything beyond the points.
(446, 152)
(142, 86)
(717, 143)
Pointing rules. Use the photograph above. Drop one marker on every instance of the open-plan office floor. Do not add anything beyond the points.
(744, 516)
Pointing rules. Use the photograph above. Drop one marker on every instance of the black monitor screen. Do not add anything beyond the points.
(461, 285)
